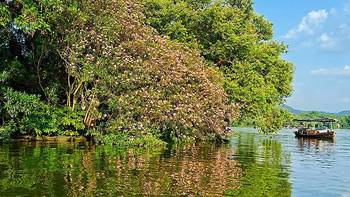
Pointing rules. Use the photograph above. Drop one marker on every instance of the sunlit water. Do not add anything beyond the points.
(250, 165)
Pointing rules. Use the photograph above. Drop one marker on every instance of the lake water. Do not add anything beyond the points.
(250, 165)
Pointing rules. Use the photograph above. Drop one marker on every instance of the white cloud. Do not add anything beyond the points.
(308, 24)
(327, 42)
(332, 72)
(324, 38)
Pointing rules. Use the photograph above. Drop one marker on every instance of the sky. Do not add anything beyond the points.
(317, 33)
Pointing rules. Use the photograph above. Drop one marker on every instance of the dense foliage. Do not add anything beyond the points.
(101, 71)
(121, 71)
(239, 42)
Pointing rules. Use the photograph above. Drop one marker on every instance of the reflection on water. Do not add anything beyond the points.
(85, 170)
(318, 167)
(321, 151)
(265, 166)
(246, 168)
(251, 165)
(316, 143)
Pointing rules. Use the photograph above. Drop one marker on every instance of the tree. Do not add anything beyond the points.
(103, 60)
(143, 83)
(233, 38)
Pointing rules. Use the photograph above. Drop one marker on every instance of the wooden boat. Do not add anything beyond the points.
(307, 132)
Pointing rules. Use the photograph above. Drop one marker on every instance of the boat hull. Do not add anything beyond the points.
(327, 135)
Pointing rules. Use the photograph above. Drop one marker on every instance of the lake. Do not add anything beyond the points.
(251, 164)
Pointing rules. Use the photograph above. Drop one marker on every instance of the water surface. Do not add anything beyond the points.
(250, 165)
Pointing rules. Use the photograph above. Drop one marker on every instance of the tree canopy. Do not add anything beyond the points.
(154, 70)
(232, 37)
(108, 70)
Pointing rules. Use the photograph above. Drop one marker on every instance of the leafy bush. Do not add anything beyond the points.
(127, 140)
(70, 122)
(27, 114)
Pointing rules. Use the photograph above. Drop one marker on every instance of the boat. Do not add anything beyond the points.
(324, 131)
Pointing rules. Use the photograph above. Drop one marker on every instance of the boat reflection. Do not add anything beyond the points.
(315, 143)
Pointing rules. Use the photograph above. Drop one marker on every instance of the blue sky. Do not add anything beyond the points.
(318, 35)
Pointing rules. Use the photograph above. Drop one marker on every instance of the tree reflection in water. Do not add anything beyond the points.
(265, 167)
(56, 170)
(250, 166)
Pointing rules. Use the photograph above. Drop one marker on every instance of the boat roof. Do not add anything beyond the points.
(317, 120)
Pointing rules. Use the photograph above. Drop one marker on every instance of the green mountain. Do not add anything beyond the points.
(297, 112)
(292, 110)
(344, 113)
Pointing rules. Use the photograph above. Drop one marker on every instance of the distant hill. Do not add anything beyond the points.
(297, 112)
(344, 113)
(292, 110)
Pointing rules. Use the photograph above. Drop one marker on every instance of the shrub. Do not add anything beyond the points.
(126, 140)
(70, 122)
(27, 115)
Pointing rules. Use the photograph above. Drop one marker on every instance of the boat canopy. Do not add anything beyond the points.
(317, 120)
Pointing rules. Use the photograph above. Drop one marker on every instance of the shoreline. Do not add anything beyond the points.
(28, 138)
